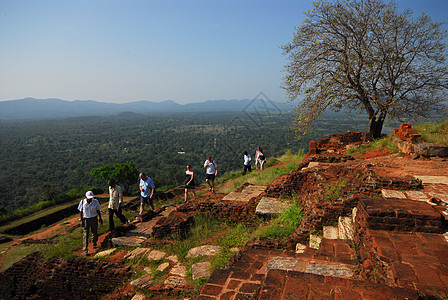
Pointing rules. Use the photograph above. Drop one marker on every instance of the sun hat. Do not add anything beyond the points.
(89, 195)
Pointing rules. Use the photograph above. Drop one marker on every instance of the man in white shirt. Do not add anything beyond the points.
(247, 162)
(211, 170)
(89, 213)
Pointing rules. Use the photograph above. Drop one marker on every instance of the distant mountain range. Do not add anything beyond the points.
(30, 108)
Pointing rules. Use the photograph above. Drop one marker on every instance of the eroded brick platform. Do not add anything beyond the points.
(398, 215)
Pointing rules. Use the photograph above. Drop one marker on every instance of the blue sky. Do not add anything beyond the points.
(131, 50)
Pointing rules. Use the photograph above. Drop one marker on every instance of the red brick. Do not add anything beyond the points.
(202, 297)
(233, 284)
(240, 275)
(296, 289)
(240, 265)
(416, 260)
(270, 294)
(403, 272)
(275, 279)
(249, 288)
(428, 276)
(219, 277)
(442, 256)
(257, 265)
(320, 291)
(404, 247)
(211, 290)
(387, 254)
(257, 277)
(227, 296)
(343, 293)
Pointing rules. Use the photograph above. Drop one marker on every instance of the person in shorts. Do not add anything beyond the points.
(211, 170)
(147, 189)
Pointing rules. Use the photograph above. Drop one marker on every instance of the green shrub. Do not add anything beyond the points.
(284, 224)
(434, 133)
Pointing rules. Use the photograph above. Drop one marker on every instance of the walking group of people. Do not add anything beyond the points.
(260, 159)
(90, 208)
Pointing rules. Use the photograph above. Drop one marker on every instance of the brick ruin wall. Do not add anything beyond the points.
(179, 222)
(410, 142)
(33, 277)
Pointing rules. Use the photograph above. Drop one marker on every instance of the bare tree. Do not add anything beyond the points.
(366, 55)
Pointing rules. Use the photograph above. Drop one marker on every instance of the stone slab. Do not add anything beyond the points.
(175, 281)
(392, 194)
(156, 255)
(300, 248)
(129, 241)
(270, 207)
(179, 270)
(200, 270)
(139, 296)
(105, 252)
(137, 252)
(285, 263)
(416, 195)
(345, 228)
(433, 179)
(245, 195)
(330, 232)
(315, 241)
(205, 250)
(329, 270)
(163, 266)
(143, 282)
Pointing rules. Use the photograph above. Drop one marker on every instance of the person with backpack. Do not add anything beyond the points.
(115, 202)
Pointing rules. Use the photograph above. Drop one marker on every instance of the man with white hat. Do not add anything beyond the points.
(89, 212)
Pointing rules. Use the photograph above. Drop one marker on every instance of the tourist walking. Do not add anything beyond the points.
(211, 171)
(257, 154)
(115, 202)
(89, 214)
(247, 163)
(261, 158)
(189, 182)
(147, 189)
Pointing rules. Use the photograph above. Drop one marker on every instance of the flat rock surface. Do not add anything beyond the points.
(202, 269)
(105, 252)
(175, 281)
(245, 195)
(143, 282)
(137, 252)
(156, 255)
(270, 206)
(179, 270)
(205, 250)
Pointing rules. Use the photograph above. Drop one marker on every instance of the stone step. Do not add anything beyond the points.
(246, 194)
(270, 207)
(142, 231)
(398, 215)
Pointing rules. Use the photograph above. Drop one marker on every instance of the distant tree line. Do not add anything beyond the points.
(43, 159)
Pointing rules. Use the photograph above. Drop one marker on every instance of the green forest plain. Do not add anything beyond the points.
(61, 153)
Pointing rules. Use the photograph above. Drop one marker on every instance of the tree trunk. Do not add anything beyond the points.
(376, 127)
